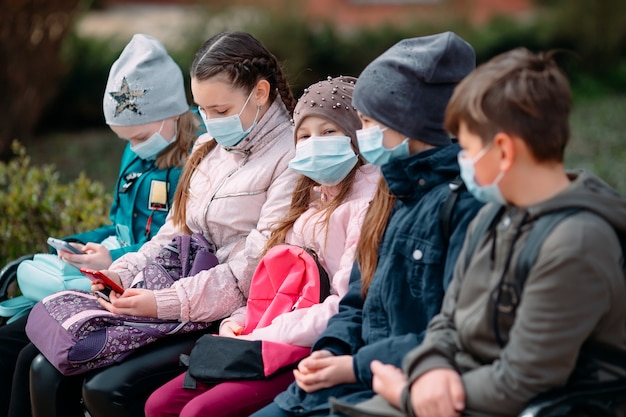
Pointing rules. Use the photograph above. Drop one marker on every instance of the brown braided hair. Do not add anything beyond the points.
(243, 61)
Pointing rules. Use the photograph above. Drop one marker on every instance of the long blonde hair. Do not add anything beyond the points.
(301, 200)
(176, 154)
(374, 226)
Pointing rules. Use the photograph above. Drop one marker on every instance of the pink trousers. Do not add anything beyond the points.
(228, 399)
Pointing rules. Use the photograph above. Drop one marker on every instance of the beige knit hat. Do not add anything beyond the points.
(330, 99)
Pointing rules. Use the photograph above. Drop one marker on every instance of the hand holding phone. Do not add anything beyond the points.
(59, 244)
(99, 278)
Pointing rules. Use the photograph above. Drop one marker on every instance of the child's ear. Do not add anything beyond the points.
(261, 92)
(506, 145)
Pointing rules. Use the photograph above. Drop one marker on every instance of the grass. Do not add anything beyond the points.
(598, 145)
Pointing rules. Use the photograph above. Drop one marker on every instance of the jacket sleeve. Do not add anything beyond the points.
(343, 333)
(216, 293)
(564, 298)
(95, 235)
(119, 252)
(131, 264)
(301, 327)
(440, 342)
(238, 316)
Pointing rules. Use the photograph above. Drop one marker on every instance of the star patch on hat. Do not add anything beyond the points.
(125, 98)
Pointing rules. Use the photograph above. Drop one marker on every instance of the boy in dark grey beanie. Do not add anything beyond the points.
(407, 88)
(405, 258)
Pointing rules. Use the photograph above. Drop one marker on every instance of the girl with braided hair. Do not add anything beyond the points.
(326, 215)
(235, 184)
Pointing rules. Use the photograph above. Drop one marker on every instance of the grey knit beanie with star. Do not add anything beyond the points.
(408, 87)
(145, 85)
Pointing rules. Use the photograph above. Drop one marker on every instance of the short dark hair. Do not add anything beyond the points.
(519, 93)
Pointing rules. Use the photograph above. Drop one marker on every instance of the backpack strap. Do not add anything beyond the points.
(324, 278)
(447, 208)
(508, 293)
(540, 231)
(485, 223)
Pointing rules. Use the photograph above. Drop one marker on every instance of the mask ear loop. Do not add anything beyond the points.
(161, 128)
(246, 103)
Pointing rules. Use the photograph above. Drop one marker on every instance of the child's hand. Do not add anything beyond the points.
(95, 256)
(230, 329)
(438, 393)
(308, 364)
(388, 382)
(323, 370)
(134, 302)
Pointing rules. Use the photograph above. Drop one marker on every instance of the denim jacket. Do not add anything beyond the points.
(407, 289)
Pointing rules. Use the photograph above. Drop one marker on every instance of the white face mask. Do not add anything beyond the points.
(327, 160)
(150, 148)
(373, 150)
(228, 131)
(484, 193)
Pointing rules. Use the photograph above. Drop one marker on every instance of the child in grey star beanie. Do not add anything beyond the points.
(408, 87)
(145, 85)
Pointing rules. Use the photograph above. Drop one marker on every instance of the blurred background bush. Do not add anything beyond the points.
(55, 57)
(35, 204)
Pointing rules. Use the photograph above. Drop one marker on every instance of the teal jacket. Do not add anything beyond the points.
(133, 220)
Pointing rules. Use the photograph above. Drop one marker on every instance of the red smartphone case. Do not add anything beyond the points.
(99, 277)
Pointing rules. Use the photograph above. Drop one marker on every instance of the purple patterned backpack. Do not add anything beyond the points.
(76, 334)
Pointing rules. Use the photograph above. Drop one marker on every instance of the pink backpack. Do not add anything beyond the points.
(287, 278)
(76, 334)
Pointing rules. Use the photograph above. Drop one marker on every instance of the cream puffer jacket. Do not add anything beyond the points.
(234, 196)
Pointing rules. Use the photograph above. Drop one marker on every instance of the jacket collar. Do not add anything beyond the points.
(413, 176)
(272, 124)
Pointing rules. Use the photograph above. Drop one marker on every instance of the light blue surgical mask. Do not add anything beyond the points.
(372, 149)
(150, 148)
(327, 160)
(485, 193)
(228, 131)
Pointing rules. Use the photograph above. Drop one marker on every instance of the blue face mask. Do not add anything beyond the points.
(150, 148)
(327, 160)
(485, 193)
(228, 131)
(372, 149)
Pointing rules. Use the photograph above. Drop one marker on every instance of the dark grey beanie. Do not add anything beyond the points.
(407, 88)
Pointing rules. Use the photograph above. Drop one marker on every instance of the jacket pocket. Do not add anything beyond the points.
(424, 267)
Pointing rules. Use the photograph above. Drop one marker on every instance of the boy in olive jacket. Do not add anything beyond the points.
(480, 357)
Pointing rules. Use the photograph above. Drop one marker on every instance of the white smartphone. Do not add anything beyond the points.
(104, 294)
(59, 244)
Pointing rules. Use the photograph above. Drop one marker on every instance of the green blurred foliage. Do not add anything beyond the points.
(594, 59)
(597, 140)
(595, 29)
(34, 204)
